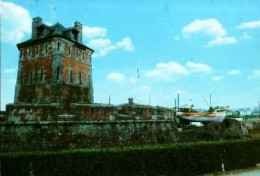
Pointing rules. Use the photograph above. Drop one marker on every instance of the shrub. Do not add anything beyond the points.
(175, 159)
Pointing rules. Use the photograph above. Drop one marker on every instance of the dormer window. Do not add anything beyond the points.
(75, 35)
(40, 32)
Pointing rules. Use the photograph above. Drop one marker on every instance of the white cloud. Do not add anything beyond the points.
(217, 78)
(167, 71)
(16, 22)
(92, 32)
(246, 36)
(210, 27)
(176, 38)
(255, 74)
(171, 70)
(249, 25)
(9, 70)
(233, 72)
(198, 67)
(126, 44)
(221, 41)
(143, 88)
(133, 79)
(117, 77)
(100, 43)
(104, 45)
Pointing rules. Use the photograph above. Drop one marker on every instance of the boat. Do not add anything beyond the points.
(188, 114)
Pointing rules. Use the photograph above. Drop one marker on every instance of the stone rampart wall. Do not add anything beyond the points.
(55, 135)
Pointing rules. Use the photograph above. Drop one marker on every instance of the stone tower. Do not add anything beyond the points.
(54, 66)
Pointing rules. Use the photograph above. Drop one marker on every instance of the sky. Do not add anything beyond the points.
(151, 50)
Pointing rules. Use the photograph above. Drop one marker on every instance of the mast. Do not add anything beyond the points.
(175, 104)
(209, 100)
(258, 109)
(178, 101)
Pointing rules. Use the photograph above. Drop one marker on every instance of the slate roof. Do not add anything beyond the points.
(56, 30)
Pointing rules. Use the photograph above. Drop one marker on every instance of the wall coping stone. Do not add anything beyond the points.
(92, 122)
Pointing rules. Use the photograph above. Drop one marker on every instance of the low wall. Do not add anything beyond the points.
(76, 111)
(120, 112)
(54, 135)
(32, 112)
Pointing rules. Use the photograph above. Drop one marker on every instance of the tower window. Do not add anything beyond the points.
(46, 48)
(77, 53)
(21, 53)
(58, 46)
(58, 73)
(29, 52)
(42, 73)
(21, 77)
(80, 79)
(89, 83)
(70, 75)
(37, 50)
(83, 55)
(69, 50)
(31, 76)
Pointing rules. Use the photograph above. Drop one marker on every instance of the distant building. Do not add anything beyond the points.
(54, 66)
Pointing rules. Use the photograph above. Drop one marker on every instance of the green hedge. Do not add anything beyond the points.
(176, 159)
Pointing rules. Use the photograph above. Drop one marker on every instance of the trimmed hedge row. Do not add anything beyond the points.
(175, 159)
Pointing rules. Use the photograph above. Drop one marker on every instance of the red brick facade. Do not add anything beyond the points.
(54, 66)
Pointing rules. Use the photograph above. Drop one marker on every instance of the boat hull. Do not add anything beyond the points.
(215, 116)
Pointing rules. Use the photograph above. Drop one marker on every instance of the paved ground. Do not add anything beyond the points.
(255, 171)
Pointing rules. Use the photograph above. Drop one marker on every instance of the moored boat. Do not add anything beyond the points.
(188, 114)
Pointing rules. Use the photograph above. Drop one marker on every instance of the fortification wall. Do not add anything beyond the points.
(28, 136)
(76, 111)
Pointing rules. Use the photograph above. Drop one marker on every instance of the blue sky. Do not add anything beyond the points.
(194, 48)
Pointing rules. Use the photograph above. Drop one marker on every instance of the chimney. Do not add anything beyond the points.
(37, 21)
(78, 26)
(130, 101)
